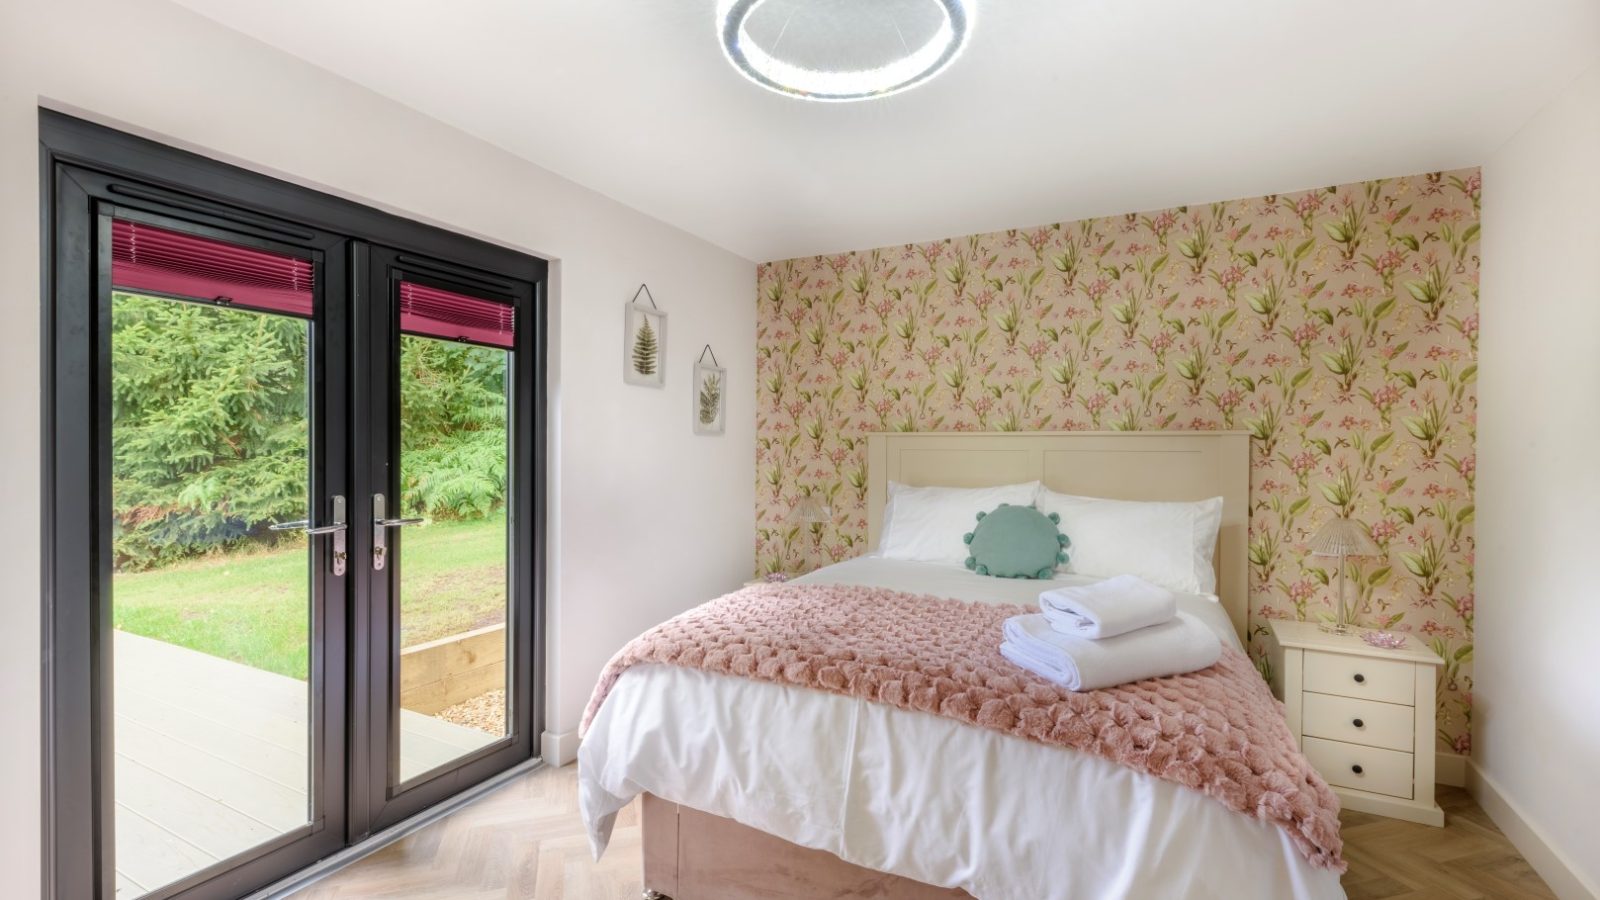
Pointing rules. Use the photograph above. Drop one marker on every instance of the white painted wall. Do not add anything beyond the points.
(647, 519)
(1537, 697)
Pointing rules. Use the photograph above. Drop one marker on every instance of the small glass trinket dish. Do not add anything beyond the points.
(1387, 640)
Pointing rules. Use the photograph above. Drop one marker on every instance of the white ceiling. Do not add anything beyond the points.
(1059, 109)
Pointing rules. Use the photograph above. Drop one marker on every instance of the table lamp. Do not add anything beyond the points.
(811, 511)
(1343, 539)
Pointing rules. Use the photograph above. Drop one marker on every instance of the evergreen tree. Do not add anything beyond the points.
(209, 426)
(644, 349)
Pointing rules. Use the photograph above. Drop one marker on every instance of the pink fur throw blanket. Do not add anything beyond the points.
(1218, 731)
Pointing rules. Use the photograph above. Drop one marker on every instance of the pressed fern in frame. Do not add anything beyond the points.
(644, 349)
(710, 399)
(644, 344)
(709, 395)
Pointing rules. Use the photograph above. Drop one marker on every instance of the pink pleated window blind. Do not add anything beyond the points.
(160, 261)
(445, 314)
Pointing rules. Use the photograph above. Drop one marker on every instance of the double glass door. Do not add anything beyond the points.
(228, 533)
(310, 505)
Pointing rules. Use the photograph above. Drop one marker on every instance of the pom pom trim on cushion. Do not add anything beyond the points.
(1005, 553)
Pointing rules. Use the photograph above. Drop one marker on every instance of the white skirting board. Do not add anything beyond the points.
(558, 749)
(1554, 868)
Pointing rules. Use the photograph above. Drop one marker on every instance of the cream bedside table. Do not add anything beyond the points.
(1362, 715)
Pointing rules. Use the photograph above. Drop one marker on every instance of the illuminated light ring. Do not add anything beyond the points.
(790, 80)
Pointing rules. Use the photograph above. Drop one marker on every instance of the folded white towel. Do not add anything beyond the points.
(1183, 644)
(1108, 608)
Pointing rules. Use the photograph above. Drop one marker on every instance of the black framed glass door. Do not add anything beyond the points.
(213, 531)
(228, 532)
(292, 556)
(449, 441)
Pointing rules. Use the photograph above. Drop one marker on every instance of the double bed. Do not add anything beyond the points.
(760, 789)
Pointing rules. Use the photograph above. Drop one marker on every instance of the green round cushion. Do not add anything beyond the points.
(1016, 542)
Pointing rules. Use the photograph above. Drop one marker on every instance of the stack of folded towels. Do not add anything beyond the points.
(1108, 633)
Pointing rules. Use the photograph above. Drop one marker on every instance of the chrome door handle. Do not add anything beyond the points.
(380, 531)
(337, 528)
(305, 525)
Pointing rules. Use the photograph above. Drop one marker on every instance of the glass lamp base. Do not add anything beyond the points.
(1336, 629)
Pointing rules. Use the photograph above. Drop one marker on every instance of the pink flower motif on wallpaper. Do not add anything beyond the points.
(1338, 326)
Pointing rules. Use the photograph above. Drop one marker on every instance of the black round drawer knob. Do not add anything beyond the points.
(1358, 723)
(1356, 769)
(1360, 678)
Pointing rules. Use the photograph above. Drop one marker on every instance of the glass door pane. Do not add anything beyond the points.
(452, 579)
(212, 608)
(447, 435)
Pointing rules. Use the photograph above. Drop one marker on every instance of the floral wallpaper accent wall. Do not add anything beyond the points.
(1339, 326)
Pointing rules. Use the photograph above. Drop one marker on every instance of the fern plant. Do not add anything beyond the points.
(710, 399)
(645, 349)
(453, 443)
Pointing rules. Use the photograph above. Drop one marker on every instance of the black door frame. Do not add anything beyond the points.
(377, 447)
(329, 475)
(86, 170)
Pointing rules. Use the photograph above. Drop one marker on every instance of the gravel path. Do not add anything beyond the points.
(485, 712)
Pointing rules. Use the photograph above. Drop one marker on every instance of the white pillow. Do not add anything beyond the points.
(1166, 543)
(926, 524)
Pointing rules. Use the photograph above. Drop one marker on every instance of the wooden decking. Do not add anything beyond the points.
(212, 759)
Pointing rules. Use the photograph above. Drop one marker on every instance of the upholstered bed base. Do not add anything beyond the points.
(692, 855)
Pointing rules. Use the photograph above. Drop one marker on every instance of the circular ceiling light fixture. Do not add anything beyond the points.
(843, 50)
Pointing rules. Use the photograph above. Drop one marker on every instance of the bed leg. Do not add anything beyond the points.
(658, 833)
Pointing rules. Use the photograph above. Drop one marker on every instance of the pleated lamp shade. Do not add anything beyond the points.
(1343, 537)
(810, 510)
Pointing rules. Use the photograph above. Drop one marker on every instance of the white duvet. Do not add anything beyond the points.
(923, 796)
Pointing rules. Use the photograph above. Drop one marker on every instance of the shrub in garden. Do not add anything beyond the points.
(209, 419)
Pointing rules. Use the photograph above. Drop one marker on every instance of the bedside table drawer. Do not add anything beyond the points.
(1362, 768)
(1358, 721)
(1386, 680)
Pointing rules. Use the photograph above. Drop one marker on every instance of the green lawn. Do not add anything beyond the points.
(252, 608)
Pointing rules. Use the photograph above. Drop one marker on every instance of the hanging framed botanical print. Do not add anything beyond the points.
(644, 341)
(710, 395)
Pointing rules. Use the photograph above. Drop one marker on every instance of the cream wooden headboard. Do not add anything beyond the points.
(1122, 465)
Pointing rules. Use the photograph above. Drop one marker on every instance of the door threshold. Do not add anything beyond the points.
(354, 853)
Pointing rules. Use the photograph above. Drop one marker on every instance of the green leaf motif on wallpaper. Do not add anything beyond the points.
(710, 399)
(1338, 326)
(1428, 428)
(1346, 231)
(645, 349)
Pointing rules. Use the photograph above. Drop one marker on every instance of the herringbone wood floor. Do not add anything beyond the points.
(1467, 859)
(526, 841)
